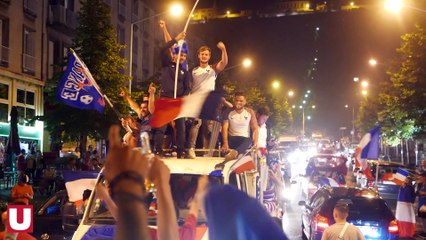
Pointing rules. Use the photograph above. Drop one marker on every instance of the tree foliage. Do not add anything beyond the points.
(95, 43)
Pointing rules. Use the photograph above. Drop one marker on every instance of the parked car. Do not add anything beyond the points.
(367, 210)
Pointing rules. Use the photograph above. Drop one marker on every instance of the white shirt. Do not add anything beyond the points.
(203, 79)
(239, 123)
(263, 134)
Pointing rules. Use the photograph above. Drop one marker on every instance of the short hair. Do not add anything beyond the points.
(342, 208)
(204, 48)
(145, 102)
(264, 110)
(239, 93)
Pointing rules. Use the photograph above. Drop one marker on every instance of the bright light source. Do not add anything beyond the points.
(364, 84)
(364, 92)
(300, 106)
(372, 62)
(309, 91)
(176, 10)
(393, 5)
(307, 6)
(294, 106)
(309, 117)
(315, 59)
(290, 93)
(306, 95)
(356, 79)
(346, 106)
(228, 12)
(303, 101)
(247, 63)
(317, 29)
(352, 4)
(313, 106)
(276, 84)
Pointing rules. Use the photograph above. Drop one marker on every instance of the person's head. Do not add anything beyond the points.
(86, 194)
(183, 53)
(408, 180)
(340, 211)
(144, 108)
(204, 54)
(23, 179)
(23, 151)
(263, 114)
(239, 100)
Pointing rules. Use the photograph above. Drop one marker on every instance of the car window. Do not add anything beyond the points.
(52, 206)
(317, 199)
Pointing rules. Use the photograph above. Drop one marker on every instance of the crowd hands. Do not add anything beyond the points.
(126, 170)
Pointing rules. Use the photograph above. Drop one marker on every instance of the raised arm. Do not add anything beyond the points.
(166, 34)
(151, 99)
(224, 60)
(254, 127)
(133, 105)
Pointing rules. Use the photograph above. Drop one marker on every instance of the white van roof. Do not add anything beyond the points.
(199, 166)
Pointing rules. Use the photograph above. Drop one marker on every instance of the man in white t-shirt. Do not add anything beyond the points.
(204, 80)
(342, 230)
(236, 128)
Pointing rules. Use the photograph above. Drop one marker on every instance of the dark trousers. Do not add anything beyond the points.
(240, 144)
(180, 138)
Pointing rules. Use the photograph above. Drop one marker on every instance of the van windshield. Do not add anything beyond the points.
(183, 187)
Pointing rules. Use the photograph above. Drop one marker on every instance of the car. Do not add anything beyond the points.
(54, 218)
(367, 210)
(183, 182)
(323, 169)
(385, 186)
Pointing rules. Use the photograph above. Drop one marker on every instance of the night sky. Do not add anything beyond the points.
(284, 49)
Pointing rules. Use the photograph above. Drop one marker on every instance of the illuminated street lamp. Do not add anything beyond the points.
(313, 107)
(309, 91)
(364, 84)
(364, 92)
(356, 79)
(175, 10)
(290, 94)
(372, 62)
(294, 106)
(308, 117)
(276, 84)
(393, 5)
(247, 62)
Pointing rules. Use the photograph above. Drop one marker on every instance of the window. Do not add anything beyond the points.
(122, 9)
(4, 38)
(4, 102)
(25, 101)
(28, 51)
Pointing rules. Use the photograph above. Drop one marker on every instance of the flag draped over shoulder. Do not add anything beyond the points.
(198, 105)
(404, 214)
(77, 87)
(368, 148)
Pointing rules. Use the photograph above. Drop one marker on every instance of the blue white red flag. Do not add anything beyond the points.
(243, 164)
(400, 176)
(198, 105)
(404, 213)
(77, 87)
(368, 148)
(78, 181)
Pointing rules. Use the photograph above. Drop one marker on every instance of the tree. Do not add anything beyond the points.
(95, 43)
(404, 112)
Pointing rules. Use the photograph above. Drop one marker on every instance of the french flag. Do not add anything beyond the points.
(199, 105)
(78, 181)
(243, 164)
(400, 176)
(404, 214)
(368, 148)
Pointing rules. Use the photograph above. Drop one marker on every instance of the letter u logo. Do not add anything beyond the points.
(20, 218)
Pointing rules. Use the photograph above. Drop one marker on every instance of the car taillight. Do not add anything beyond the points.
(393, 227)
(321, 222)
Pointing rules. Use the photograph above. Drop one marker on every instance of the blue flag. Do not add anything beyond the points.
(370, 144)
(78, 88)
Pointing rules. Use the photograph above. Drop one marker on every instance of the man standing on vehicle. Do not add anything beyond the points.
(342, 230)
(236, 128)
(204, 80)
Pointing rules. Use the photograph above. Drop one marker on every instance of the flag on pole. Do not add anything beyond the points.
(77, 87)
(368, 148)
(199, 105)
(400, 176)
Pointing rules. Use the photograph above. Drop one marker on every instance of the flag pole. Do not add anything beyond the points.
(180, 47)
(92, 80)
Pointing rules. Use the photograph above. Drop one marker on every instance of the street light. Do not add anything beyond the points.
(356, 79)
(393, 5)
(364, 92)
(247, 62)
(372, 62)
(290, 93)
(364, 84)
(276, 84)
(175, 10)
